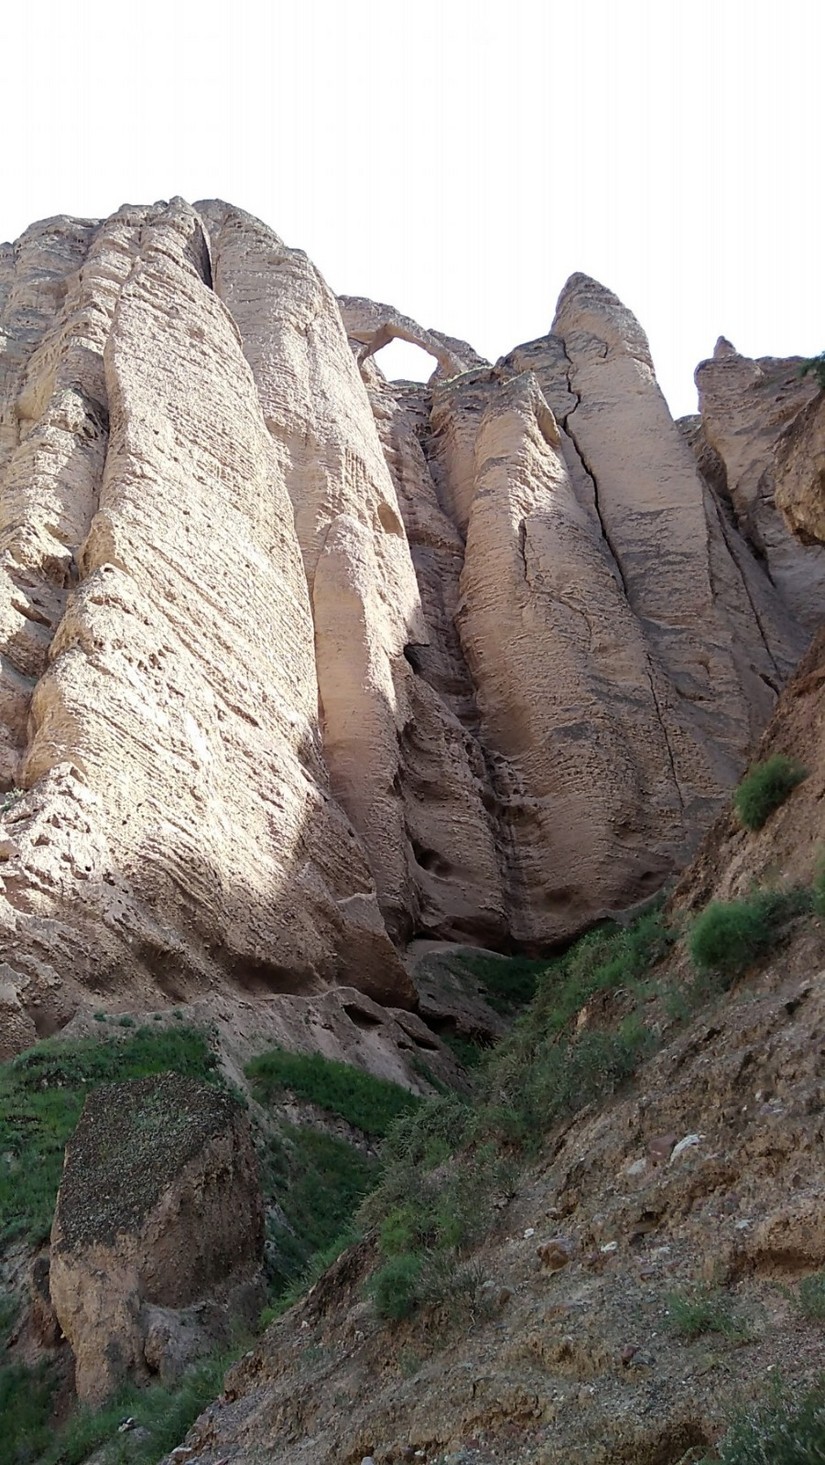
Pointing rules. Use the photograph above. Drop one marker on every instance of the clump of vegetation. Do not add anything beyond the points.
(164, 1413)
(812, 1297)
(765, 787)
(370, 1104)
(815, 367)
(447, 1166)
(508, 983)
(319, 1182)
(394, 1288)
(729, 936)
(785, 1428)
(41, 1095)
(700, 1310)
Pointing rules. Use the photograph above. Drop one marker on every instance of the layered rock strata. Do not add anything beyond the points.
(297, 663)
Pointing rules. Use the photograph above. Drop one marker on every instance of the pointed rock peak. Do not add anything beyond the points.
(724, 347)
(585, 306)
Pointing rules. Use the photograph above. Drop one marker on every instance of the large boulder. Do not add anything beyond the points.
(157, 1241)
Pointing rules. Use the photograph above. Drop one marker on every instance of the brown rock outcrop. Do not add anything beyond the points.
(159, 1208)
(800, 473)
(746, 407)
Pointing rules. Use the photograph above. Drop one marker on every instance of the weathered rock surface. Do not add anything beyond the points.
(178, 830)
(157, 1240)
(297, 664)
(746, 407)
(800, 473)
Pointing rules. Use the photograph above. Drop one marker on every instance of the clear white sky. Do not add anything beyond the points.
(458, 158)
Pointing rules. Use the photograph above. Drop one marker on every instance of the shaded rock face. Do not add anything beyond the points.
(746, 408)
(800, 473)
(157, 1241)
(296, 664)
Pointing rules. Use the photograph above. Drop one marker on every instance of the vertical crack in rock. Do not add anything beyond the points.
(590, 471)
(617, 564)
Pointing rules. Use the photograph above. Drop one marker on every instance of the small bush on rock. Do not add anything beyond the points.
(729, 936)
(394, 1287)
(765, 787)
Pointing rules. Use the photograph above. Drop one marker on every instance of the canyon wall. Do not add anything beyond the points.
(298, 664)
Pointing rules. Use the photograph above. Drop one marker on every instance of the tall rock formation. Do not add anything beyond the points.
(298, 663)
(746, 409)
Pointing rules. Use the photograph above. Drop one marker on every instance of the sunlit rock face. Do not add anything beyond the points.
(298, 663)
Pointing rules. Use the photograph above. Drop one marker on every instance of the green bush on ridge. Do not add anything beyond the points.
(765, 787)
(728, 936)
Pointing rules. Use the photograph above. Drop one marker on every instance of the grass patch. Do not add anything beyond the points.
(509, 983)
(165, 1413)
(42, 1093)
(729, 936)
(447, 1166)
(370, 1104)
(812, 1297)
(25, 1412)
(785, 1428)
(318, 1182)
(700, 1310)
(765, 787)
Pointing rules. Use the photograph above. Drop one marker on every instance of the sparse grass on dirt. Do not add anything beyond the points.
(765, 787)
(812, 1297)
(729, 936)
(41, 1095)
(700, 1310)
(784, 1428)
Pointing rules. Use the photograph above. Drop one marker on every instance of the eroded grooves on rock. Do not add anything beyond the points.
(180, 829)
(298, 663)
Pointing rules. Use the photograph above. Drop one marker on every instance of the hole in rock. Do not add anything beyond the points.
(360, 1018)
(402, 361)
(389, 520)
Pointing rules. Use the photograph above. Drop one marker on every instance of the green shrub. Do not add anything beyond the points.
(394, 1287)
(729, 936)
(370, 1104)
(815, 367)
(700, 1310)
(786, 1428)
(765, 787)
(812, 1297)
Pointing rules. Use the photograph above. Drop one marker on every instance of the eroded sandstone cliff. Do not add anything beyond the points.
(298, 663)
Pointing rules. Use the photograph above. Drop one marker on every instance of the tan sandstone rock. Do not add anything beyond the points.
(299, 664)
(159, 1208)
